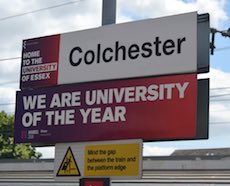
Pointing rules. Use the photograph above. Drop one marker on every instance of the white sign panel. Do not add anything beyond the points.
(150, 47)
(166, 45)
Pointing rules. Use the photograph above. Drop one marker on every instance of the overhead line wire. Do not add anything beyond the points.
(39, 10)
(219, 95)
(224, 48)
(8, 82)
(12, 58)
(219, 88)
(5, 104)
(216, 100)
(220, 123)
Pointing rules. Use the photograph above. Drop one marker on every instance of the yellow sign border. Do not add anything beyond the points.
(121, 150)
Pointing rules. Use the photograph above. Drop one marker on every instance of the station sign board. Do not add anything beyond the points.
(119, 159)
(154, 108)
(151, 47)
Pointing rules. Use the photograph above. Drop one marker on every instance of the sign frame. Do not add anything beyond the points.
(78, 150)
(119, 50)
(45, 130)
(202, 66)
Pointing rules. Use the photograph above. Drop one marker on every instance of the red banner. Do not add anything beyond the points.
(156, 108)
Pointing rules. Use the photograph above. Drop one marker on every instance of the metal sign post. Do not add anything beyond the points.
(108, 12)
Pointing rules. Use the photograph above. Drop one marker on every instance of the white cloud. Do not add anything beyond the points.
(138, 9)
(82, 15)
(7, 99)
(219, 78)
(150, 150)
(216, 10)
(219, 96)
(47, 152)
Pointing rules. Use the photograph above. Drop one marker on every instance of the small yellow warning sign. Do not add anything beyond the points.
(113, 160)
(68, 166)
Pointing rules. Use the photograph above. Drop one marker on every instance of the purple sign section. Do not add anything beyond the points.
(40, 58)
(154, 108)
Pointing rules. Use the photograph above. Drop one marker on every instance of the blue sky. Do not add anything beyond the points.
(87, 14)
(221, 55)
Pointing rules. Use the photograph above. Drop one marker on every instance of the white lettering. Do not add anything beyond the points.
(31, 119)
(95, 115)
(140, 93)
(153, 93)
(120, 113)
(182, 88)
(55, 102)
(63, 117)
(33, 102)
(169, 88)
(119, 94)
(108, 115)
(98, 116)
(129, 94)
(66, 99)
(85, 114)
(91, 101)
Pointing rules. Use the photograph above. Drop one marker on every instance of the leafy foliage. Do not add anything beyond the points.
(7, 147)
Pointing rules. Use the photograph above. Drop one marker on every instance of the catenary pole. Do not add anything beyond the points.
(108, 12)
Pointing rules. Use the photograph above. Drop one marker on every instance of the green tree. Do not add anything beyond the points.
(7, 147)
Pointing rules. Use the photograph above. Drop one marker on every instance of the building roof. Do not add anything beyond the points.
(202, 152)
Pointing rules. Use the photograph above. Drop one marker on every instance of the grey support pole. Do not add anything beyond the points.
(109, 12)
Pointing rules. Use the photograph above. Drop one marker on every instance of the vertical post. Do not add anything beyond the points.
(108, 12)
(213, 43)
